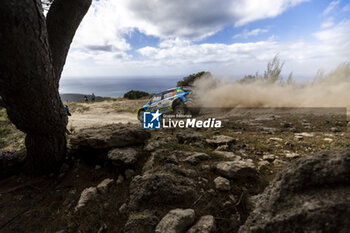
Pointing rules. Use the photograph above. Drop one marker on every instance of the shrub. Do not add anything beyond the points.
(132, 95)
(189, 80)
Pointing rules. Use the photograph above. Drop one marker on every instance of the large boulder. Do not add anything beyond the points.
(167, 186)
(236, 169)
(310, 195)
(109, 136)
(176, 221)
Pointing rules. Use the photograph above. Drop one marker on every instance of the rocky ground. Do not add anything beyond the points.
(259, 173)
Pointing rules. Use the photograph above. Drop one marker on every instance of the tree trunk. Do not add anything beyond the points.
(29, 82)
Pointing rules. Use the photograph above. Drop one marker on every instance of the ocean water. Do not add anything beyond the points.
(116, 87)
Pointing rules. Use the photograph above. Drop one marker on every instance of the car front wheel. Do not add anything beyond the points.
(140, 115)
(180, 109)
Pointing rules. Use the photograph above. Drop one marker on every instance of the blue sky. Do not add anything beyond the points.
(229, 37)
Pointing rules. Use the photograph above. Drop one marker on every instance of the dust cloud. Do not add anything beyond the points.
(331, 90)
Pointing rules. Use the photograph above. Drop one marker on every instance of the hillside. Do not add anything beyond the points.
(118, 177)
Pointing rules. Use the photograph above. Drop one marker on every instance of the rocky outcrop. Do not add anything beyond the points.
(310, 195)
(108, 137)
(176, 221)
(157, 189)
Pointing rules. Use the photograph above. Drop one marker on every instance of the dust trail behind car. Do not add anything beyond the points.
(331, 90)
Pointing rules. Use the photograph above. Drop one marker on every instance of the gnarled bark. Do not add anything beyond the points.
(29, 81)
(62, 21)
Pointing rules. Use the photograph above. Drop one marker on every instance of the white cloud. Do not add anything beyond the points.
(108, 20)
(330, 7)
(100, 47)
(255, 32)
(200, 18)
(101, 35)
(331, 47)
(346, 8)
(329, 22)
(246, 11)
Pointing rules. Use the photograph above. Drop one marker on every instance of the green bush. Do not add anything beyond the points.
(133, 95)
(189, 80)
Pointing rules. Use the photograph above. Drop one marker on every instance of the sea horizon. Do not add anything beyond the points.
(116, 86)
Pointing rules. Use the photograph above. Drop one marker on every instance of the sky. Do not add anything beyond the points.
(230, 38)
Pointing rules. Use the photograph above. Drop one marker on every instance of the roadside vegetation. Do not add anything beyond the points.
(133, 95)
(11, 139)
(189, 80)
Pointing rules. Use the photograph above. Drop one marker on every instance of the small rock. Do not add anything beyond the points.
(151, 146)
(85, 196)
(123, 208)
(292, 155)
(188, 135)
(222, 184)
(228, 155)
(236, 169)
(328, 140)
(141, 222)
(298, 137)
(196, 158)
(279, 162)
(219, 140)
(269, 157)
(212, 192)
(268, 130)
(276, 139)
(223, 148)
(263, 165)
(120, 179)
(335, 130)
(286, 124)
(129, 173)
(176, 221)
(104, 185)
(305, 134)
(127, 156)
(97, 167)
(206, 224)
